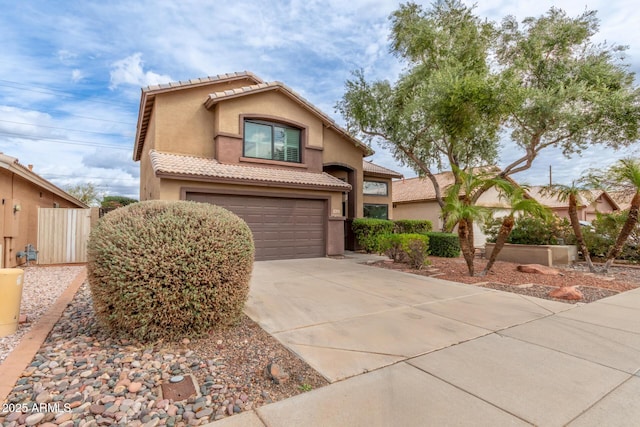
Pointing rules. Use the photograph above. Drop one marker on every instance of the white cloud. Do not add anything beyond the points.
(76, 75)
(65, 56)
(130, 71)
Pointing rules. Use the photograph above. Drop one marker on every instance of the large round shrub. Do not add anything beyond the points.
(168, 270)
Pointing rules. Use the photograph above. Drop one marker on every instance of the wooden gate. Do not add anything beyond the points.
(63, 235)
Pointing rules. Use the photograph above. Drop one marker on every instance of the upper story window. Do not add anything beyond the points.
(271, 141)
(375, 188)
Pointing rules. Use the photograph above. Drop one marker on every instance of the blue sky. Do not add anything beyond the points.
(71, 72)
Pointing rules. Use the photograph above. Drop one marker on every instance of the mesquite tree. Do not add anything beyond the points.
(550, 85)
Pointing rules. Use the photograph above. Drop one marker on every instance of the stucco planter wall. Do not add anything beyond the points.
(549, 255)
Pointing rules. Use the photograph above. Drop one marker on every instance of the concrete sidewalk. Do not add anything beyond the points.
(408, 350)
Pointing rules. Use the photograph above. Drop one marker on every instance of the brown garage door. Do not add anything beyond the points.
(282, 228)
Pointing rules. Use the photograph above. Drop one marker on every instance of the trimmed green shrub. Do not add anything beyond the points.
(367, 231)
(167, 270)
(410, 248)
(411, 226)
(529, 230)
(446, 245)
(391, 246)
(417, 249)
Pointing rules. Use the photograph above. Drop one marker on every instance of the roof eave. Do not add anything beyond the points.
(38, 180)
(256, 182)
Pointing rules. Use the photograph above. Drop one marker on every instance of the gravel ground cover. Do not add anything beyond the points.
(504, 276)
(41, 288)
(82, 377)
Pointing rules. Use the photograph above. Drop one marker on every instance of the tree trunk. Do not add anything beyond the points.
(503, 234)
(577, 230)
(467, 249)
(627, 228)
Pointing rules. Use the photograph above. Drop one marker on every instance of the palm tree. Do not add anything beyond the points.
(625, 175)
(520, 203)
(571, 193)
(460, 210)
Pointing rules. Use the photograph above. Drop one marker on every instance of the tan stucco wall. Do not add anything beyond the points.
(337, 150)
(149, 184)
(419, 210)
(21, 228)
(182, 123)
(270, 104)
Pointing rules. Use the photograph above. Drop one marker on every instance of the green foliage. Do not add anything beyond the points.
(409, 247)
(533, 230)
(564, 90)
(417, 250)
(116, 201)
(169, 269)
(412, 226)
(367, 231)
(445, 106)
(391, 246)
(602, 236)
(86, 193)
(446, 245)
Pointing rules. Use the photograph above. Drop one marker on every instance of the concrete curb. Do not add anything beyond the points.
(18, 360)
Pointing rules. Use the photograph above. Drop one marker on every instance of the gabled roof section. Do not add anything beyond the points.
(12, 165)
(175, 166)
(587, 197)
(216, 97)
(537, 192)
(421, 188)
(148, 97)
(372, 169)
(622, 198)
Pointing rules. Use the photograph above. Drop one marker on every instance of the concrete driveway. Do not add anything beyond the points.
(408, 350)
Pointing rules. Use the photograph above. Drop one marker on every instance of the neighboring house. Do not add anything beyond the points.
(415, 198)
(591, 203)
(622, 199)
(262, 151)
(23, 192)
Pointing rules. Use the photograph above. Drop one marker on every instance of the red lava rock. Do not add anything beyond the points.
(275, 373)
(134, 387)
(97, 409)
(538, 269)
(567, 292)
(24, 318)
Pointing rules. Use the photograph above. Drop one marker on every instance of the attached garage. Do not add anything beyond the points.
(283, 228)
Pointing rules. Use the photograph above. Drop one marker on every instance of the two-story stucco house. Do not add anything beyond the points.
(262, 151)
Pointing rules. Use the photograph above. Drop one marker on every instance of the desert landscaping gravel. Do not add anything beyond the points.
(504, 276)
(41, 288)
(82, 377)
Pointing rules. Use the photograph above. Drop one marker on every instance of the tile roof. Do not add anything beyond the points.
(622, 198)
(419, 188)
(199, 168)
(373, 169)
(202, 81)
(216, 97)
(586, 197)
(13, 165)
(149, 93)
